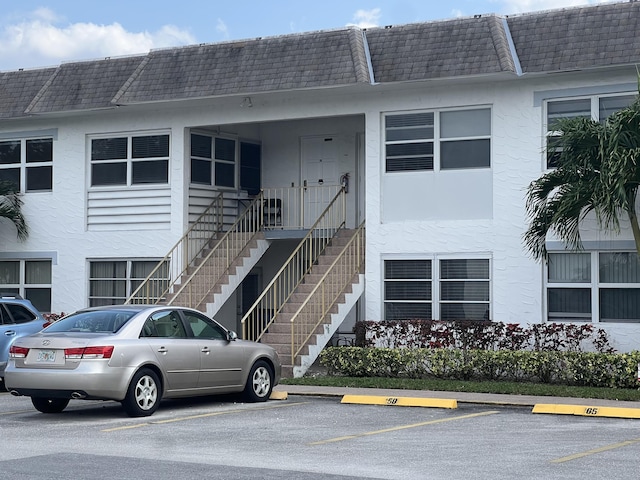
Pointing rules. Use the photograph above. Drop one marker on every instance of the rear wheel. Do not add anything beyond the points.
(50, 405)
(143, 395)
(259, 382)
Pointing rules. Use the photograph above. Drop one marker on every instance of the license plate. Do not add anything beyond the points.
(46, 356)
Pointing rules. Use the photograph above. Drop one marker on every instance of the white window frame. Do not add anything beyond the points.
(594, 285)
(594, 114)
(22, 286)
(24, 165)
(213, 181)
(436, 139)
(436, 281)
(129, 160)
(131, 282)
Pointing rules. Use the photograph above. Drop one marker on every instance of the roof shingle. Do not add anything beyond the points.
(18, 89)
(577, 38)
(320, 59)
(466, 46)
(84, 85)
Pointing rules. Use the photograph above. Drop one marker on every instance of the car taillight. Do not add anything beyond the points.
(46, 324)
(18, 352)
(98, 352)
(88, 352)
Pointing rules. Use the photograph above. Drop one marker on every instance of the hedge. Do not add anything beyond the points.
(589, 369)
(482, 335)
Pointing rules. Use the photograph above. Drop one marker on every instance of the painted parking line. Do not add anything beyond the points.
(596, 451)
(400, 401)
(586, 411)
(199, 416)
(403, 427)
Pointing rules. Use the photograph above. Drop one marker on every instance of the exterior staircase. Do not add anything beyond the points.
(212, 279)
(319, 304)
(208, 262)
(306, 301)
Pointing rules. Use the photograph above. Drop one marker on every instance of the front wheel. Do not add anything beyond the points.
(143, 395)
(259, 382)
(50, 405)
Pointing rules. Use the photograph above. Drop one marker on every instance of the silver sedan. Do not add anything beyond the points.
(137, 355)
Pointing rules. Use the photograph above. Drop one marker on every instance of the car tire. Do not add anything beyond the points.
(259, 382)
(143, 394)
(49, 405)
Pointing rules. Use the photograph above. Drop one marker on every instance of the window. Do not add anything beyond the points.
(28, 164)
(445, 140)
(30, 279)
(213, 161)
(447, 289)
(407, 289)
(464, 289)
(164, 324)
(112, 282)
(593, 286)
(202, 327)
(13, 313)
(130, 160)
(595, 107)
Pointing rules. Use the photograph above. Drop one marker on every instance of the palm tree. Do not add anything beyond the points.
(10, 208)
(598, 171)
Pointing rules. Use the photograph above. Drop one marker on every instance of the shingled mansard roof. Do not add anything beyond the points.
(536, 43)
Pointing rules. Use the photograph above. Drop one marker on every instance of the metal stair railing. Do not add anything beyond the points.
(269, 304)
(333, 283)
(172, 267)
(216, 263)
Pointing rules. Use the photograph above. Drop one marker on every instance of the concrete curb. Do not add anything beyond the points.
(559, 405)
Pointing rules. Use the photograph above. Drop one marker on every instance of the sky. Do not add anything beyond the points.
(45, 33)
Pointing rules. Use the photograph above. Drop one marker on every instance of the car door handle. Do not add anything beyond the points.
(206, 350)
(162, 350)
(10, 333)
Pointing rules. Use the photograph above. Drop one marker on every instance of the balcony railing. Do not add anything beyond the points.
(295, 208)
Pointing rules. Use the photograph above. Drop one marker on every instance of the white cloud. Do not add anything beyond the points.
(521, 6)
(222, 28)
(42, 40)
(366, 18)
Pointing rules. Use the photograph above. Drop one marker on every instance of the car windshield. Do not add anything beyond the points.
(100, 321)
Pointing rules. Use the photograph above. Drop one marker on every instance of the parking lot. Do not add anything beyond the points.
(305, 437)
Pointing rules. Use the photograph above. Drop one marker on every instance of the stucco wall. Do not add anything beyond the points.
(58, 219)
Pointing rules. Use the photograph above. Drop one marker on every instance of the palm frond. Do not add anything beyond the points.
(11, 208)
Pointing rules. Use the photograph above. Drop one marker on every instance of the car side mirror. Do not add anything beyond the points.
(232, 335)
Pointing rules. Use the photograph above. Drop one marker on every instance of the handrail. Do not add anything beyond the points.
(315, 308)
(221, 256)
(269, 304)
(175, 263)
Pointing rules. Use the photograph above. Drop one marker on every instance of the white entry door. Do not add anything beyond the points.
(319, 170)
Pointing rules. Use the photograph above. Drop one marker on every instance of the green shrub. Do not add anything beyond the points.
(589, 369)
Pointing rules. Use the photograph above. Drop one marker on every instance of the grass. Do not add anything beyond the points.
(512, 388)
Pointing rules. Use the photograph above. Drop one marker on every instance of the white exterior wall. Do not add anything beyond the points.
(517, 282)
(58, 219)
